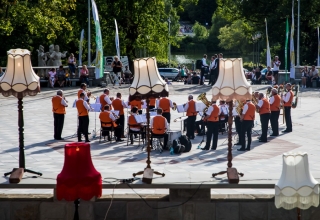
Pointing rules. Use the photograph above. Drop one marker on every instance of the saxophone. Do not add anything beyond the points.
(202, 97)
(255, 101)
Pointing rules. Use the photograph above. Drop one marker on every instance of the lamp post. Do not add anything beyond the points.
(258, 36)
(147, 83)
(89, 35)
(298, 35)
(20, 80)
(231, 85)
(169, 45)
(296, 187)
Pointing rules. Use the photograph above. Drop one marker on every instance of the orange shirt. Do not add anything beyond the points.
(132, 122)
(57, 107)
(159, 125)
(152, 102)
(164, 103)
(79, 92)
(265, 108)
(102, 101)
(275, 106)
(105, 118)
(82, 111)
(191, 111)
(117, 105)
(136, 103)
(214, 116)
(251, 112)
(289, 103)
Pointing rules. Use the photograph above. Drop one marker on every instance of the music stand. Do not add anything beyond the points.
(96, 107)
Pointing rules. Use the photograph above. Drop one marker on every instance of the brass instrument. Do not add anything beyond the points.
(174, 106)
(65, 99)
(255, 100)
(202, 97)
(295, 89)
(268, 93)
(239, 107)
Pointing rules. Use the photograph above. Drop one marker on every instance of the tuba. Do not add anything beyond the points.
(255, 101)
(202, 97)
(239, 107)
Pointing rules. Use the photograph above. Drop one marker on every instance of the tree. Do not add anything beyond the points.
(199, 30)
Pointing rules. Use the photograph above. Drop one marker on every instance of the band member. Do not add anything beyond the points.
(83, 88)
(190, 108)
(59, 105)
(152, 103)
(264, 111)
(223, 119)
(105, 100)
(159, 127)
(287, 102)
(137, 103)
(237, 122)
(106, 117)
(133, 125)
(275, 112)
(119, 105)
(83, 113)
(165, 104)
(213, 126)
(247, 118)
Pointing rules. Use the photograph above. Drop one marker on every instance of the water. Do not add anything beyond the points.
(188, 58)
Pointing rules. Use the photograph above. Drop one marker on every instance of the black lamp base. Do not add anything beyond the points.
(26, 171)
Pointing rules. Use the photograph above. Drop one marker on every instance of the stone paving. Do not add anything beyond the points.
(262, 164)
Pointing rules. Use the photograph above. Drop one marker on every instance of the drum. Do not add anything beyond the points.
(172, 135)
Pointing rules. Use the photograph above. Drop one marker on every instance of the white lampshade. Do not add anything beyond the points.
(19, 78)
(296, 187)
(231, 83)
(147, 80)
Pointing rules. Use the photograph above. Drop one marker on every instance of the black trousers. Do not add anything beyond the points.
(213, 129)
(83, 127)
(264, 119)
(222, 123)
(117, 131)
(167, 115)
(287, 112)
(246, 128)
(202, 76)
(120, 121)
(58, 125)
(190, 126)
(165, 136)
(200, 127)
(274, 120)
(238, 125)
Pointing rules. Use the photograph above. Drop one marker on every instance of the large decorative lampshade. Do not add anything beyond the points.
(19, 78)
(147, 80)
(296, 187)
(231, 83)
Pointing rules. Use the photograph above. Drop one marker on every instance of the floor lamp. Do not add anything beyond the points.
(20, 80)
(231, 85)
(147, 83)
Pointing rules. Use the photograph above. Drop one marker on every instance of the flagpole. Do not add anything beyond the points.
(89, 35)
(318, 61)
(298, 35)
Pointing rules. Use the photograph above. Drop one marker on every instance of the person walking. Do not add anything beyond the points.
(59, 105)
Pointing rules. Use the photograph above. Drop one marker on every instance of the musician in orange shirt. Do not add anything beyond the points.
(152, 103)
(137, 103)
(165, 104)
(212, 116)
(190, 108)
(59, 105)
(287, 102)
(159, 127)
(105, 100)
(264, 111)
(275, 112)
(134, 126)
(83, 88)
(107, 118)
(119, 105)
(247, 118)
(83, 116)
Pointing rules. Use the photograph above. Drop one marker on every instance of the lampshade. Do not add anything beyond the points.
(296, 187)
(231, 83)
(147, 80)
(19, 78)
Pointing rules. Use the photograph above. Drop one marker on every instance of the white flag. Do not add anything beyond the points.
(80, 47)
(117, 39)
(268, 47)
(318, 60)
(292, 55)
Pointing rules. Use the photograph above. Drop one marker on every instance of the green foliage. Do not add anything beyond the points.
(199, 30)
(163, 62)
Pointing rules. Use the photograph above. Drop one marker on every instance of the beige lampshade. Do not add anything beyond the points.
(147, 80)
(231, 83)
(19, 78)
(296, 187)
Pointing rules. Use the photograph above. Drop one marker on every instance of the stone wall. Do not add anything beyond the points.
(16, 208)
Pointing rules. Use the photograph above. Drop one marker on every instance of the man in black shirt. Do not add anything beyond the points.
(258, 76)
(195, 79)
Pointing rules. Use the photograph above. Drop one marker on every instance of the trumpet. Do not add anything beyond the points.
(65, 99)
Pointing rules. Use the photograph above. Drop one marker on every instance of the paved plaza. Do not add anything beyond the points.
(261, 165)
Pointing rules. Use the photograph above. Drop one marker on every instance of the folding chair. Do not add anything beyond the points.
(109, 129)
(131, 132)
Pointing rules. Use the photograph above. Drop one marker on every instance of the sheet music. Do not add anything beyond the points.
(116, 112)
(153, 114)
(127, 104)
(180, 108)
(200, 106)
(140, 118)
(96, 107)
(144, 106)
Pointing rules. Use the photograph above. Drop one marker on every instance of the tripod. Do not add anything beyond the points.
(203, 131)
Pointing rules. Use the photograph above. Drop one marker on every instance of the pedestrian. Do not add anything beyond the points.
(59, 105)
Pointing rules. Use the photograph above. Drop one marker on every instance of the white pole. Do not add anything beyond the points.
(89, 36)
(298, 36)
